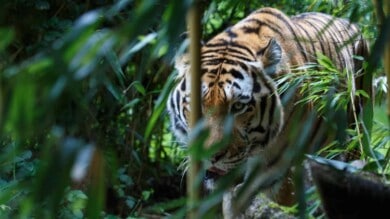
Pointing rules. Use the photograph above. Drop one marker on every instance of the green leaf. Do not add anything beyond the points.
(22, 111)
(132, 103)
(116, 67)
(114, 90)
(7, 35)
(141, 89)
(138, 86)
(137, 47)
(325, 62)
(39, 66)
(362, 93)
(159, 106)
(146, 194)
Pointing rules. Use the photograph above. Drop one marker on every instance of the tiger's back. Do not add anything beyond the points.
(239, 69)
(304, 35)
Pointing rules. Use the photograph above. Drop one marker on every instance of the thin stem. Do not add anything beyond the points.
(193, 21)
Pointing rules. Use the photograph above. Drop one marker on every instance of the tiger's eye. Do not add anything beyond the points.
(237, 106)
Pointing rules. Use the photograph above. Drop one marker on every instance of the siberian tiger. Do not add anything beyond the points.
(240, 67)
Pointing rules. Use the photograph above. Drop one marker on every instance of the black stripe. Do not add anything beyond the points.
(236, 74)
(291, 29)
(213, 45)
(265, 81)
(235, 50)
(213, 50)
(205, 56)
(333, 40)
(223, 92)
(236, 85)
(348, 43)
(243, 66)
(183, 85)
(230, 33)
(260, 129)
(319, 34)
(179, 126)
(227, 50)
(213, 71)
(308, 40)
(172, 103)
(267, 137)
(338, 43)
(271, 109)
(263, 106)
(219, 61)
(244, 97)
(244, 48)
(242, 58)
(251, 30)
(261, 23)
(216, 61)
(252, 102)
(256, 84)
(177, 98)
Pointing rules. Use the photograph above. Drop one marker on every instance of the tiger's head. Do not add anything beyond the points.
(235, 81)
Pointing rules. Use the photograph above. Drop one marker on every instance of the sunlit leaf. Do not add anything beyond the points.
(138, 46)
(325, 62)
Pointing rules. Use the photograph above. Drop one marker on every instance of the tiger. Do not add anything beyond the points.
(239, 71)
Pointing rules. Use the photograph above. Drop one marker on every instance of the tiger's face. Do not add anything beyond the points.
(240, 88)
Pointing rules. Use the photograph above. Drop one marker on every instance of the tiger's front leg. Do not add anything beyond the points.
(282, 192)
(228, 209)
(260, 206)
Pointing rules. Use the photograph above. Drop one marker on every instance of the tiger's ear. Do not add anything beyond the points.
(271, 56)
(182, 64)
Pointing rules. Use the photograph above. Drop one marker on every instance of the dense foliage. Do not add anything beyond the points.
(83, 84)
